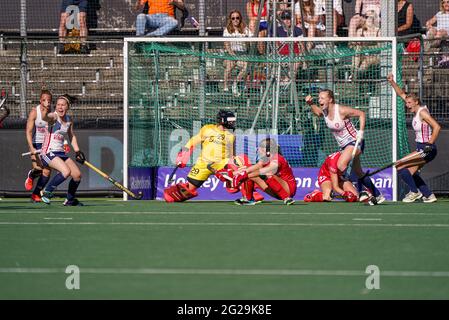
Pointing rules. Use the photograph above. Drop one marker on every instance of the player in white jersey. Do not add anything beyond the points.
(338, 120)
(426, 132)
(53, 154)
(35, 131)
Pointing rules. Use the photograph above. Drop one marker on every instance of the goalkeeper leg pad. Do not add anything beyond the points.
(179, 193)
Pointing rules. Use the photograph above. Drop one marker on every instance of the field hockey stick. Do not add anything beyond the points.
(349, 167)
(407, 158)
(172, 174)
(30, 153)
(114, 182)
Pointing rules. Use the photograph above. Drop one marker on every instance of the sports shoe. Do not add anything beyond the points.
(429, 199)
(364, 196)
(72, 203)
(28, 184)
(289, 201)
(245, 202)
(46, 196)
(412, 197)
(35, 198)
(380, 199)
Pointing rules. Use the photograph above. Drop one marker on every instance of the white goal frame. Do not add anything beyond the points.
(130, 40)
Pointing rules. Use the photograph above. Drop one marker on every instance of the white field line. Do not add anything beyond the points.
(232, 213)
(225, 224)
(58, 218)
(367, 219)
(226, 272)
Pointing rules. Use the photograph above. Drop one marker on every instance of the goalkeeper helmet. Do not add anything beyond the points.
(226, 118)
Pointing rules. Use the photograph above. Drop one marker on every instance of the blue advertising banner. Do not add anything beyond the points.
(306, 178)
(141, 179)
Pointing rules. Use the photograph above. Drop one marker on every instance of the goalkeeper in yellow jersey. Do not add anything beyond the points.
(217, 149)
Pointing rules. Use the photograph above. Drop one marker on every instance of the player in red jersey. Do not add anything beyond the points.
(271, 173)
(330, 179)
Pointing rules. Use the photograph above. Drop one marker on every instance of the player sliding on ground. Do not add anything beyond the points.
(330, 180)
(53, 155)
(271, 173)
(338, 120)
(426, 133)
(217, 150)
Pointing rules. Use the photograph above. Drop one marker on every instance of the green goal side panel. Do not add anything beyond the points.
(177, 87)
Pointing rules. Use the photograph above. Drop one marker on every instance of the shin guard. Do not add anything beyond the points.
(277, 188)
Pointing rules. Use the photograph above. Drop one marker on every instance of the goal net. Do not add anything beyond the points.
(173, 86)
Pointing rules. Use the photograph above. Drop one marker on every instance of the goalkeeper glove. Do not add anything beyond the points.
(183, 157)
(80, 157)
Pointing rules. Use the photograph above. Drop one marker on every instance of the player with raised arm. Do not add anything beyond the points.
(217, 150)
(338, 120)
(330, 180)
(271, 173)
(52, 154)
(426, 130)
(36, 129)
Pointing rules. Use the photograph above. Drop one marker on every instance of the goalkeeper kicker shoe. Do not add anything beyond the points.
(289, 201)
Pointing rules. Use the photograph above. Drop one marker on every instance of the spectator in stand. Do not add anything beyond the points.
(252, 10)
(361, 8)
(160, 17)
(82, 6)
(370, 28)
(442, 28)
(320, 12)
(286, 30)
(235, 28)
(408, 23)
(308, 24)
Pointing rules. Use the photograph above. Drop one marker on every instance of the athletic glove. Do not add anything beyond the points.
(429, 148)
(349, 196)
(239, 178)
(183, 157)
(223, 173)
(80, 157)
